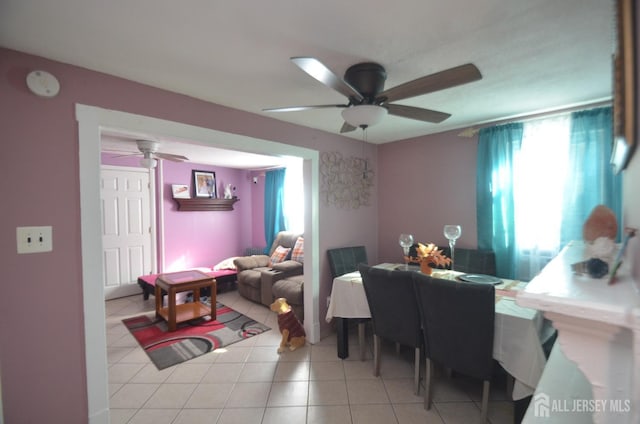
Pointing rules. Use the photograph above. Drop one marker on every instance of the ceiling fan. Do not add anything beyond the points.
(368, 102)
(150, 154)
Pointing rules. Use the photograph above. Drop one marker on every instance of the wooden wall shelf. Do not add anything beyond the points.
(206, 204)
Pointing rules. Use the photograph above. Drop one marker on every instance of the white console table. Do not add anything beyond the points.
(598, 329)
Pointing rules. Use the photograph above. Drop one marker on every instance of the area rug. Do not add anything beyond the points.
(193, 338)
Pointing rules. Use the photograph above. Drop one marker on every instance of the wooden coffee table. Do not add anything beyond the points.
(177, 282)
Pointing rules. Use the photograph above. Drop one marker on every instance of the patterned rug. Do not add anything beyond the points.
(193, 338)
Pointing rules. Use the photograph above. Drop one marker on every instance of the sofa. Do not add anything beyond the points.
(263, 278)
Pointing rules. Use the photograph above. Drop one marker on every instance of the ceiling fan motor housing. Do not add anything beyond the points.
(147, 146)
(368, 78)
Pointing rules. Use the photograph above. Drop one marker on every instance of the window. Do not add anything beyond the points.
(540, 169)
(537, 183)
(293, 204)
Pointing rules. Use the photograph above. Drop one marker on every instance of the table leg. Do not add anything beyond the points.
(171, 300)
(343, 338)
(213, 299)
(196, 295)
(361, 339)
(158, 295)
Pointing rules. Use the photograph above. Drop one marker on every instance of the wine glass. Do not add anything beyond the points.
(452, 233)
(406, 241)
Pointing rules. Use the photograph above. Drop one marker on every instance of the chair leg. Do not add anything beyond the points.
(416, 371)
(510, 383)
(485, 401)
(361, 339)
(376, 354)
(428, 384)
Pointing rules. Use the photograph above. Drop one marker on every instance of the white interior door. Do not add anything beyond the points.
(126, 229)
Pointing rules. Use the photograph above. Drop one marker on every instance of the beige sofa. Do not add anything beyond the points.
(257, 277)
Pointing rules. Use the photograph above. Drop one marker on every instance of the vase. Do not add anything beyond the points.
(425, 268)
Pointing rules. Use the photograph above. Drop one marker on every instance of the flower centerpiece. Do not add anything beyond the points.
(428, 255)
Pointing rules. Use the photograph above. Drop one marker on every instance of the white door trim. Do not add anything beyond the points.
(91, 121)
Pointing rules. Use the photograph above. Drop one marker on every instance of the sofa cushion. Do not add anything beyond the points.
(288, 266)
(284, 239)
(298, 251)
(253, 277)
(280, 254)
(291, 289)
(249, 262)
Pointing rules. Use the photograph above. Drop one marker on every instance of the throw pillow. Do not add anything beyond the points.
(280, 254)
(226, 264)
(298, 251)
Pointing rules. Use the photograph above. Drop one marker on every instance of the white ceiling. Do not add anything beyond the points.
(118, 143)
(534, 55)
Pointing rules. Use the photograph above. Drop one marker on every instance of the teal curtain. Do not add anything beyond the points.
(593, 181)
(497, 147)
(274, 221)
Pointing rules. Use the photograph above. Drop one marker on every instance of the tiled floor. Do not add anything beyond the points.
(250, 383)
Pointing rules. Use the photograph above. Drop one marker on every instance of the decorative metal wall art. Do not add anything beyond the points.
(345, 182)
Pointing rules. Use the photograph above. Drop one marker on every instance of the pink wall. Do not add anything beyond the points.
(40, 138)
(199, 239)
(426, 183)
(193, 239)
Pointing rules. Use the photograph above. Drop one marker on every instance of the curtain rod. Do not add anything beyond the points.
(473, 130)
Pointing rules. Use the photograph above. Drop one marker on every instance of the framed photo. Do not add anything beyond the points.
(624, 86)
(204, 184)
(180, 191)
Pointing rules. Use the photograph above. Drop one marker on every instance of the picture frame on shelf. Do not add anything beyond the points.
(180, 191)
(624, 87)
(204, 184)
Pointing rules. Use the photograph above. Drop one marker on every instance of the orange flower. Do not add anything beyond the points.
(431, 254)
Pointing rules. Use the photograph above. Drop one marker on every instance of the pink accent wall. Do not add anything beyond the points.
(199, 239)
(193, 239)
(426, 183)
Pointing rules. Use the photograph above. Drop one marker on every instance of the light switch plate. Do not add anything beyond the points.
(34, 239)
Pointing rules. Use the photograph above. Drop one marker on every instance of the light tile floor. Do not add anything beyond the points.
(250, 383)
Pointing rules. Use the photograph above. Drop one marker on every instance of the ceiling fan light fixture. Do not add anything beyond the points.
(364, 115)
(148, 162)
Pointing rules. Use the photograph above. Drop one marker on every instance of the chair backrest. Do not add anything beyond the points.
(346, 259)
(284, 239)
(458, 323)
(391, 299)
(473, 261)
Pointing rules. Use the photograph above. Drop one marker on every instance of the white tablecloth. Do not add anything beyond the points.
(517, 337)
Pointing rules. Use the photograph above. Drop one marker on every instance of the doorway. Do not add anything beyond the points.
(91, 121)
(127, 199)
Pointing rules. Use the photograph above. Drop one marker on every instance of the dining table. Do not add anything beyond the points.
(518, 332)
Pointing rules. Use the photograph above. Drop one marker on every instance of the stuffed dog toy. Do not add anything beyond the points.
(291, 329)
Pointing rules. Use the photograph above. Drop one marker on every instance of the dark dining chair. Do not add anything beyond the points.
(343, 260)
(394, 313)
(458, 325)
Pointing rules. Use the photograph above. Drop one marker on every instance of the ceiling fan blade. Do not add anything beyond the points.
(169, 156)
(347, 127)
(319, 71)
(435, 82)
(127, 155)
(417, 113)
(299, 108)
